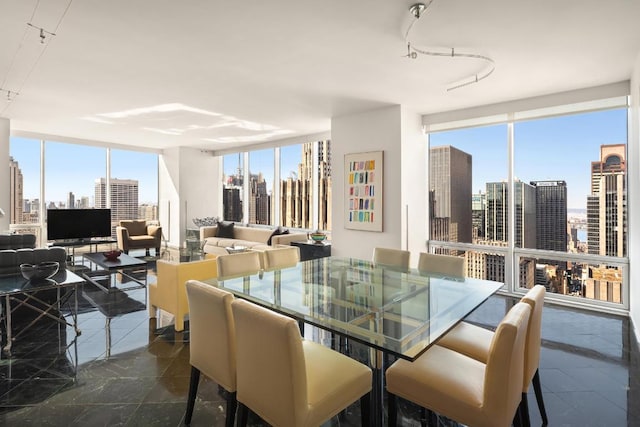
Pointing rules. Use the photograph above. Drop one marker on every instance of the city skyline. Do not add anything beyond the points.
(544, 150)
(85, 164)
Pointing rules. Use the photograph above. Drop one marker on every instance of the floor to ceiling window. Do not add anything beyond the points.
(75, 177)
(233, 187)
(261, 182)
(559, 219)
(300, 199)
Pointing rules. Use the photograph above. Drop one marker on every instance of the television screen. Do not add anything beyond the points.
(77, 224)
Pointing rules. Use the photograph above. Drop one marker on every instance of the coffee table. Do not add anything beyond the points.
(103, 272)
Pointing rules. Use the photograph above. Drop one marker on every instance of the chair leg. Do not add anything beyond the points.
(243, 415)
(365, 410)
(232, 404)
(153, 311)
(517, 418)
(524, 411)
(193, 390)
(538, 390)
(392, 402)
(424, 421)
(179, 323)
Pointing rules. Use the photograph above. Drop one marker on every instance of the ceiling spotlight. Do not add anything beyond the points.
(417, 9)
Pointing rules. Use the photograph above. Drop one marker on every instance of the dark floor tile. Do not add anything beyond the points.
(157, 414)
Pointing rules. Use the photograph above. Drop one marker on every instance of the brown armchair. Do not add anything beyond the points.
(137, 234)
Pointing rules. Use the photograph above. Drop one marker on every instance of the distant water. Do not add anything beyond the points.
(582, 235)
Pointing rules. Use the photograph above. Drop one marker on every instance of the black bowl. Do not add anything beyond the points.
(43, 270)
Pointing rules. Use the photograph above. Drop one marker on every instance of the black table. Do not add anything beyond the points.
(23, 293)
(102, 272)
(313, 250)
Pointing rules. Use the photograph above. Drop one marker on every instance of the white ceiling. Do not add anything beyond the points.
(216, 74)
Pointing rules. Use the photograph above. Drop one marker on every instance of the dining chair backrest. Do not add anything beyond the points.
(446, 265)
(535, 298)
(212, 340)
(271, 364)
(241, 264)
(281, 257)
(391, 257)
(505, 364)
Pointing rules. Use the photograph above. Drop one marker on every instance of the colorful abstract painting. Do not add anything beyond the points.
(363, 191)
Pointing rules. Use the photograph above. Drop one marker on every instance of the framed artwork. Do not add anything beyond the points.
(363, 190)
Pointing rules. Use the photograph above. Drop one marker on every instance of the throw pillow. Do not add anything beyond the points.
(225, 229)
(278, 231)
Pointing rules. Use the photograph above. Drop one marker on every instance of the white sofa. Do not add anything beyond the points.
(254, 238)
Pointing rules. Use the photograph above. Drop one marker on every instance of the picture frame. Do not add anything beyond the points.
(363, 190)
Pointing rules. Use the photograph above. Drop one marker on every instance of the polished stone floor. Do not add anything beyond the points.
(128, 370)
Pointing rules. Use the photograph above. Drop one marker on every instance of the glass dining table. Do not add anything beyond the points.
(392, 311)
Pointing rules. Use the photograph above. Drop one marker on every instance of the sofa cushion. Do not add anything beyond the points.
(277, 232)
(225, 229)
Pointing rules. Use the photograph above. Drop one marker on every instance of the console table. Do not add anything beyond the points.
(73, 244)
(313, 250)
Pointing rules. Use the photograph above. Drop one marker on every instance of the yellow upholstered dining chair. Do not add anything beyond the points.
(391, 257)
(445, 265)
(462, 388)
(281, 257)
(212, 343)
(169, 294)
(475, 342)
(289, 381)
(241, 264)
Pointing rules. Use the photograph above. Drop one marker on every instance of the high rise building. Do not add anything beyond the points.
(497, 226)
(124, 198)
(232, 204)
(260, 200)
(551, 215)
(324, 185)
(606, 221)
(232, 194)
(296, 191)
(71, 200)
(450, 194)
(607, 204)
(16, 192)
(478, 215)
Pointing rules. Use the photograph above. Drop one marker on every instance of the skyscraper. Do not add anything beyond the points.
(260, 200)
(124, 198)
(607, 204)
(497, 226)
(478, 215)
(16, 192)
(296, 192)
(232, 194)
(71, 200)
(450, 194)
(551, 215)
(606, 221)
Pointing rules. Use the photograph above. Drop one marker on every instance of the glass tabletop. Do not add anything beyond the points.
(16, 283)
(402, 312)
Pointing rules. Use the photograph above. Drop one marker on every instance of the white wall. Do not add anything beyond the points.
(188, 188)
(634, 198)
(414, 184)
(4, 173)
(397, 132)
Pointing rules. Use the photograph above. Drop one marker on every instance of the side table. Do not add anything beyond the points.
(313, 250)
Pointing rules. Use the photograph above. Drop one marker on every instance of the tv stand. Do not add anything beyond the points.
(75, 243)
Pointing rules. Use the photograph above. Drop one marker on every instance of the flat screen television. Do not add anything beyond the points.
(78, 224)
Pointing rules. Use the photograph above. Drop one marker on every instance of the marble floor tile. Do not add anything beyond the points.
(125, 369)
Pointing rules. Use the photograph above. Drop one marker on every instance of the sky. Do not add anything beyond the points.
(560, 148)
(71, 167)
